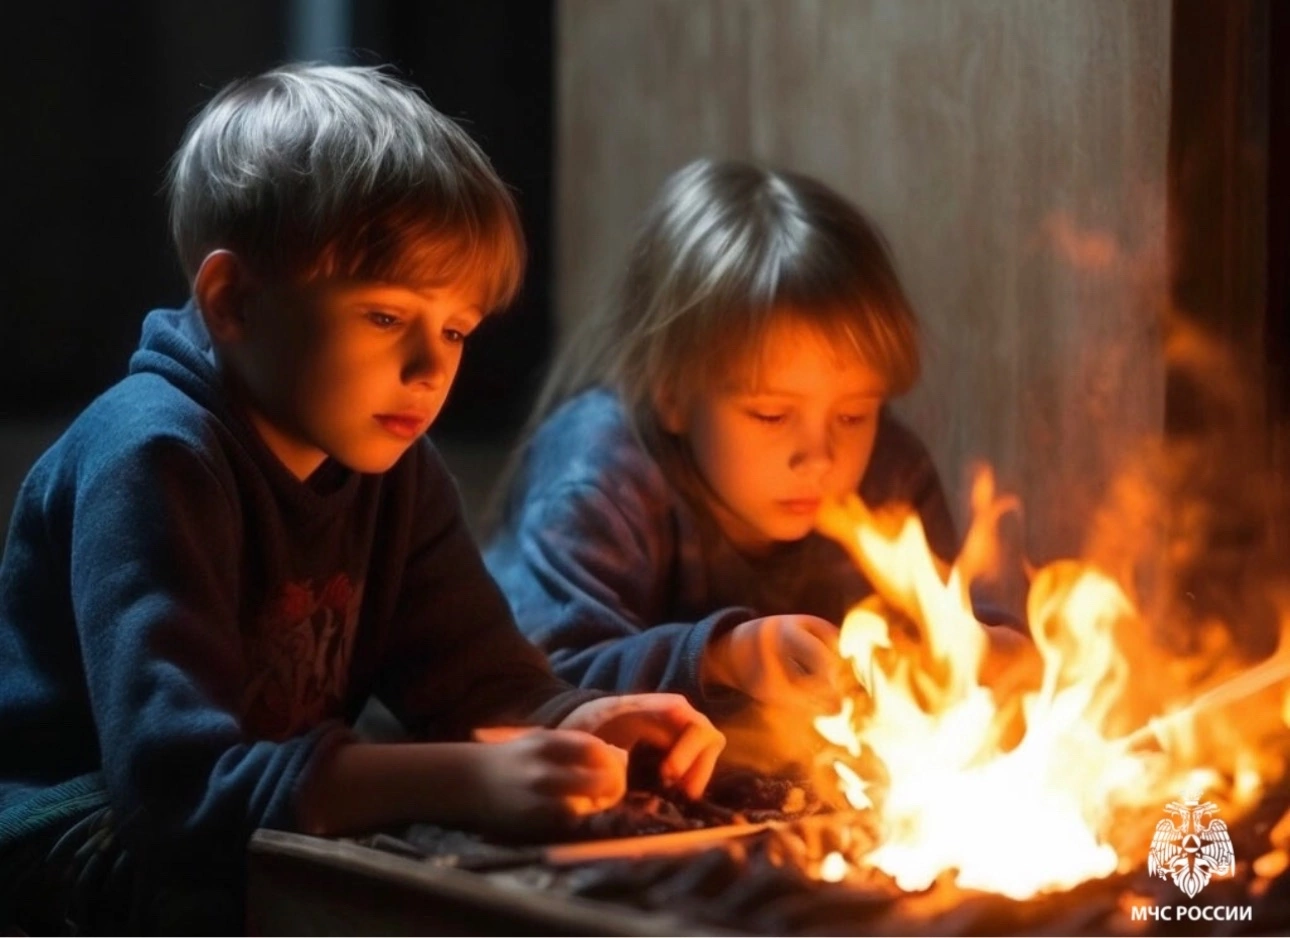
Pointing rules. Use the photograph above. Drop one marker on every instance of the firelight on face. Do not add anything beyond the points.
(354, 371)
(797, 429)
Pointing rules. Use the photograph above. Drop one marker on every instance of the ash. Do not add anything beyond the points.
(762, 885)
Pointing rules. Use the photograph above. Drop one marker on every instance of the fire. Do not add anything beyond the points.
(1019, 791)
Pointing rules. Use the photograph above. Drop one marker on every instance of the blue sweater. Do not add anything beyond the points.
(184, 625)
(624, 582)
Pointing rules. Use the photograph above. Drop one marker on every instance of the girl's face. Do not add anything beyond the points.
(772, 443)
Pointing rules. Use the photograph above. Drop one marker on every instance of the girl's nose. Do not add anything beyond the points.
(813, 448)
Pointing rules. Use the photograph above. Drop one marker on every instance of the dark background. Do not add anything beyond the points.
(97, 97)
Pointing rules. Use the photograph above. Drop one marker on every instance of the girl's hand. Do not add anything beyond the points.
(668, 722)
(534, 781)
(782, 660)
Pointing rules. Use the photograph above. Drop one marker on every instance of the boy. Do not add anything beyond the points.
(229, 551)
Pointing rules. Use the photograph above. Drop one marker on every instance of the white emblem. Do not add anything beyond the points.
(1193, 850)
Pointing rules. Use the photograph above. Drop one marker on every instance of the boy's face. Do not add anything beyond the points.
(354, 371)
(773, 443)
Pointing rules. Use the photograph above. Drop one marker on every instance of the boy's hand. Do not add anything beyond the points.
(668, 722)
(534, 780)
(783, 660)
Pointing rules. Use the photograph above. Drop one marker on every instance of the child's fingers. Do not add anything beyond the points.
(578, 772)
(653, 719)
(684, 749)
(583, 789)
(695, 781)
(604, 709)
(557, 745)
(693, 757)
(594, 782)
(812, 656)
(501, 734)
(822, 629)
(577, 747)
(572, 769)
(605, 787)
(582, 805)
(643, 728)
(665, 721)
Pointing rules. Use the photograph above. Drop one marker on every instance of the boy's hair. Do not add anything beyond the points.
(314, 171)
(725, 251)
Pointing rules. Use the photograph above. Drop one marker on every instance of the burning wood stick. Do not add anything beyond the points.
(1242, 685)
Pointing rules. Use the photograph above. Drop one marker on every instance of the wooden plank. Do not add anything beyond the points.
(299, 884)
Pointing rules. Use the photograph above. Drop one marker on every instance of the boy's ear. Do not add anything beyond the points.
(222, 288)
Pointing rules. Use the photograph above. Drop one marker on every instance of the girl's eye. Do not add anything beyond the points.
(455, 336)
(382, 320)
(854, 420)
(767, 417)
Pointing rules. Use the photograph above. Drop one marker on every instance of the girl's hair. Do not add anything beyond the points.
(726, 250)
(313, 170)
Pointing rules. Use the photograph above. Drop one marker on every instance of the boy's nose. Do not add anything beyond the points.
(424, 363)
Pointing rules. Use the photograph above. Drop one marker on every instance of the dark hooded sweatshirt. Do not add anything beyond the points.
(624, 581)
(185, 626)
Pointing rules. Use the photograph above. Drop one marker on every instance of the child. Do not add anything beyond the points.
(657, 529)
(229, 551)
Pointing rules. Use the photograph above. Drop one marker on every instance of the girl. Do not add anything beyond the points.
(656, 527)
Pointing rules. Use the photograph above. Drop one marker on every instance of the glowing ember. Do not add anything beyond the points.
(833, 868)
(1014, 792)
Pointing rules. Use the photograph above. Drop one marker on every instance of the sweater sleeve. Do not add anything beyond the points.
(457, 660)
(154, 561)
(585, 575)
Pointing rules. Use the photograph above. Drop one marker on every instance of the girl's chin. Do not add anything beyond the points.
(794, 526)
(786, 534)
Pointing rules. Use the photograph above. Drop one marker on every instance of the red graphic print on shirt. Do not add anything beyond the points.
(298, 657)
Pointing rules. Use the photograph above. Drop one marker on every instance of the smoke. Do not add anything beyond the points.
(1192, 521)
(1188, 518)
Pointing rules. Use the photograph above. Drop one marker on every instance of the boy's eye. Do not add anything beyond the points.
(767, 417)
(853, 420)
(382, 320)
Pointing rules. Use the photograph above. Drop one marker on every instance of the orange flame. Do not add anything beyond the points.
(1019, 792)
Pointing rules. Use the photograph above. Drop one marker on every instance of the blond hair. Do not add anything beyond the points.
(312, 170)
(725, 250)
